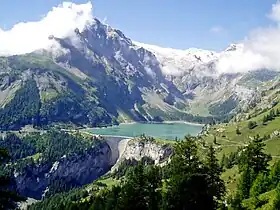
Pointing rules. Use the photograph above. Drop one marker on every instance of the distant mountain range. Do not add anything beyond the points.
(99, 76)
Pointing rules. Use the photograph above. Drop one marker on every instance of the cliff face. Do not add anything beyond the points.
(76, 170)
(36, 180)
(138, 149)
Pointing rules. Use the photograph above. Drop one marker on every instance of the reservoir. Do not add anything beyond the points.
(158, 130)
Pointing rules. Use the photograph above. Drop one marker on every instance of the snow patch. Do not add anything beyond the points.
(177, 62)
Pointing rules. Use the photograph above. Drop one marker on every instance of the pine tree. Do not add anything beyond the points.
(260, 185)
(215, 183)
(252, 124)
(245, 183)
(276, 202)
(132, 194)
(272, 113)
(253, 161)
(141, 189)
(238, 131)
(275, 174)
(188, 186)
(254, 157)
(223, 161)
(265, 119)
(277, 112)
(8, 198)
(215, 140)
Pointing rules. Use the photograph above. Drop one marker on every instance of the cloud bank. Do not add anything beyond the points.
(261, 49)
(61, 21)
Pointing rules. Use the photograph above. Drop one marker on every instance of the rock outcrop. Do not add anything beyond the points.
(137, 149)
(35, 180)
(76, 170)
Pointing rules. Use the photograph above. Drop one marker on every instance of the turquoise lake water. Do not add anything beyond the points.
(159, 130)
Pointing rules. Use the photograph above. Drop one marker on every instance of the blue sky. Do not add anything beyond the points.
(208, 24)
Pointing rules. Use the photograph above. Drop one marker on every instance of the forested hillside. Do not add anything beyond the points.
(187, 182)
(194, 179)
(244, 164)
(221, 169)
(35, 90)
(41, 165)
(248, 148)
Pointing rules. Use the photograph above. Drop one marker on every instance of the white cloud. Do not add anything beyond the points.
(275, 13)
(61, 21)
(261, 49)
(217, 30)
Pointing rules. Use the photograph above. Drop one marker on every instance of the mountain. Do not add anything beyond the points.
(177, 62)
(258, 123)
(195, 72)
(98, 77)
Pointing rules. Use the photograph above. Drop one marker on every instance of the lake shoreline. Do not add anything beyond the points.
(145, 122)
(164, 130)
(164, 122)
(185, 122)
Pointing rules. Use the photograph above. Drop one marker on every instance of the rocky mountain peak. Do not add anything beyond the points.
(136, 81)
(234, 47)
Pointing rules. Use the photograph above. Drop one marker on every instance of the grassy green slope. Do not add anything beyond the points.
(227, 141)
(267, 198)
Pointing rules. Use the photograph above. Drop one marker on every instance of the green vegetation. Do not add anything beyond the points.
(238, 132)
(252, 124)
(259, 76)
(234, 165)
(223, 109)
(63, 97)
(26, 108)
(244, 175)
(271, 116)
(35, 154)
(8, 197)
(48, 95)
(69, 108)
(230, 136)
(23, 108)
(249, 153)
(18, 148)
(50, 146)
(126, 165)
(187, 182)
(92, 94)
(258, 182)
(175, 115)
(63, 200)
(36, 62)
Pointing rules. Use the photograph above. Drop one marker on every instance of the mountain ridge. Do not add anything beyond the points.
(100, 69)
(190, 58)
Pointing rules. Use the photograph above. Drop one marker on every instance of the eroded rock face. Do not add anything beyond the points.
(76, 170)
(143, 148)
(35, 180)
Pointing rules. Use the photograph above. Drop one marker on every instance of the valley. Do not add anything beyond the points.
(103, 78)
(228, 139)
(92, 119)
